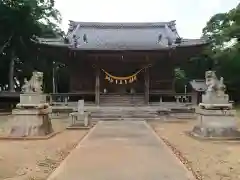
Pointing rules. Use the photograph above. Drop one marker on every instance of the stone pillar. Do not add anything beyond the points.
(97, 87)
(81, 107)
(146, 85)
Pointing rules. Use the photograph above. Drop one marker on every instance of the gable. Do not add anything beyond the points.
(122, 35)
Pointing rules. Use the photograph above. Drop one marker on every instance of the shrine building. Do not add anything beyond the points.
(123, 62)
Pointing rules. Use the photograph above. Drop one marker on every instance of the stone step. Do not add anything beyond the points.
(117, 99)
(124, 113)
(121, 99)
(183, 115)
(121, 115)
(135, 97)
(122, 95)
(120, 104)
(124, 118)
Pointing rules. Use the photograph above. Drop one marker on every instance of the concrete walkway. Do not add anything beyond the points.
(121, 150)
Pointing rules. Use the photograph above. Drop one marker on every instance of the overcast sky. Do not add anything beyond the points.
(190, 15)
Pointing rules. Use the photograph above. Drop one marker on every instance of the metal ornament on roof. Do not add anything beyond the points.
(75, 41)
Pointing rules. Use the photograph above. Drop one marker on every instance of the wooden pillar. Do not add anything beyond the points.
(146, 89)
(194, 96)
(97, 87)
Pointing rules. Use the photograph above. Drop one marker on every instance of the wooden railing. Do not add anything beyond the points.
(171, 97)
(8, 100)
(65, 98)
(156, 98)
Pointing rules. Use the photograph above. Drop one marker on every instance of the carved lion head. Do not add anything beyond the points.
(210, 74)
(38, 76)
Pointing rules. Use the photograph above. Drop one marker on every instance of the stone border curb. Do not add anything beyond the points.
(54, 174)
(189, 172)
(78, 127)
(30, 138)
(197, 137)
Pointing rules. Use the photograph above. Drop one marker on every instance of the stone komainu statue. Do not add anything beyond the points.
(34, 84)
(213, 84)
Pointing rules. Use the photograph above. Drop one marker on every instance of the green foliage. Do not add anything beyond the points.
(179, 74)
(223, 32)
(180, 80)
(21, 22)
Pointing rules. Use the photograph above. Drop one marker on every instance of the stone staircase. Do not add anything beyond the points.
(121, 100)
(124, 113)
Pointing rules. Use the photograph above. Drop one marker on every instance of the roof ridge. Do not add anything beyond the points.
(123, 24)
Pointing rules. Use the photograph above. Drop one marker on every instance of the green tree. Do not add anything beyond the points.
(223, 32)
(22, 21)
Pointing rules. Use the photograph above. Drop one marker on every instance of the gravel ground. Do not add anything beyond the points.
(35, 160)
(207, 159)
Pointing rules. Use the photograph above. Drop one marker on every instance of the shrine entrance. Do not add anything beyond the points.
(123, 89)
(125, 84)
(122, 84)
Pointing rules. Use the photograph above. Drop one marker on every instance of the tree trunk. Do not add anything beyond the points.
(11, 72)
(53, 78)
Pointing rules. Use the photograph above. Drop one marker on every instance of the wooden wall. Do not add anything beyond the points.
(161, 76)
(82, 74)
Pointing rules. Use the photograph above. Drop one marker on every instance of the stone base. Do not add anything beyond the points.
(32, 106)
(32, 98)
(215, 106)
(79, 119)
(213, 98)
(217, 134)
(183, 116)
(30, 123)
(216, 123)
(78, 126)
(29, 137)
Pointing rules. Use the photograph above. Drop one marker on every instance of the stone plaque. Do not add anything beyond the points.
(81, 106)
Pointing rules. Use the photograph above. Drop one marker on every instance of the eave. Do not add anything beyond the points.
(186, 43)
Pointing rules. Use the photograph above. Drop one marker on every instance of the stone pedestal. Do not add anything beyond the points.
(216, 123)
(213, 98)
(31, 117)
(216, 119)
(80, 120)
(32, 98)
(214, 101)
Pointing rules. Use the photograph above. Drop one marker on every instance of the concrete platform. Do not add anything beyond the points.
(121, 150)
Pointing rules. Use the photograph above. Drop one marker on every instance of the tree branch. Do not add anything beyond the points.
(6, 43)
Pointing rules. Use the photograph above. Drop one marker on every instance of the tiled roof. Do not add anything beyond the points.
(53, 42)
(198, 85)
(121, 24)
(122, 36)
(60, 43)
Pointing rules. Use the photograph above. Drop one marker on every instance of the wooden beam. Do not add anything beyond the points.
(97, 86)
(146, 85)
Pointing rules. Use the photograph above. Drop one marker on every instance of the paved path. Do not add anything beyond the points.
(121, 150)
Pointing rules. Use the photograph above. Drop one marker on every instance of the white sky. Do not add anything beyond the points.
(190, 15)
